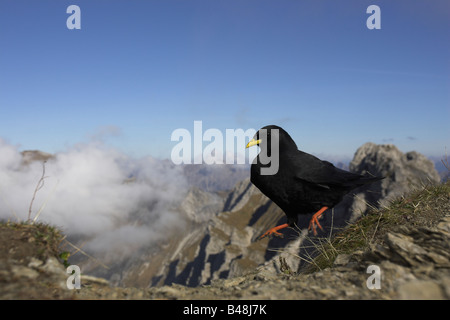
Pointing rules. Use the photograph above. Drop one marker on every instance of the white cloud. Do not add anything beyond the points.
(89, 196)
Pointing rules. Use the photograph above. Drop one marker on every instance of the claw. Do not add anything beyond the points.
(274, 231)
(315, 221)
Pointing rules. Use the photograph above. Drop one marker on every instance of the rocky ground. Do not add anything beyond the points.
(413, 261)
(414, 264)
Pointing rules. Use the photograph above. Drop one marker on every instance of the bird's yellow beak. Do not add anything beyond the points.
(253, 142)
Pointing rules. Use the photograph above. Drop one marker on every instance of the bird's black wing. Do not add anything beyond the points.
(324, 174)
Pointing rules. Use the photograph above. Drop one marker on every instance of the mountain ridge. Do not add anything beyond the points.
(216, 239)
(414, 261)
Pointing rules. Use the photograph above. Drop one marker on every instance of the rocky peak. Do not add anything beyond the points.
(29, 156)
(402, 172)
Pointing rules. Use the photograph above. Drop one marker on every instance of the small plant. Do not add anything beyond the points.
(64, 256)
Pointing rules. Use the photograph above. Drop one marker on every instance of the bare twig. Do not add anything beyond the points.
(39, 186)
(376, 228)
(87, 255)
(445, 162)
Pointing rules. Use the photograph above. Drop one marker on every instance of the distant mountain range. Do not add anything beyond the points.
(214, 178)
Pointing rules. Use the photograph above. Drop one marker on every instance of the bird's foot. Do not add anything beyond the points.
(274, 231)
(315, 220)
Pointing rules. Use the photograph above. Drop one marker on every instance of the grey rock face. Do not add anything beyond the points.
(200, 206)
(418, 247)
(403, 171)
(240, 195)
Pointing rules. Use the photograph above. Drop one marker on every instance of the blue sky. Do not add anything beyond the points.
(138, 70)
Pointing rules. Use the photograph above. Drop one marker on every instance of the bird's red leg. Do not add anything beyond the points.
(314, 220)
(274, 231)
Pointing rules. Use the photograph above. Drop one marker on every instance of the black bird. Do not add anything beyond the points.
(298, 182)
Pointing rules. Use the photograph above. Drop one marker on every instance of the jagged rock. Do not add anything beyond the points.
(403, 171)
(342, 260)
(200, 206)
(404, 247)
(418, 247)
(240, 195)
(444, 225)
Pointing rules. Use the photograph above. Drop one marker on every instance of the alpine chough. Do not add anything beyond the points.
(298, 182)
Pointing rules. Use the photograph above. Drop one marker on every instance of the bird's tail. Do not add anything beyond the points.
(366, 179)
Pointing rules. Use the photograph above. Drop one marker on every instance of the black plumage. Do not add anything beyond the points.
(303, 184)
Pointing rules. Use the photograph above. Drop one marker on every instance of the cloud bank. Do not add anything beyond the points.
(116, 203)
